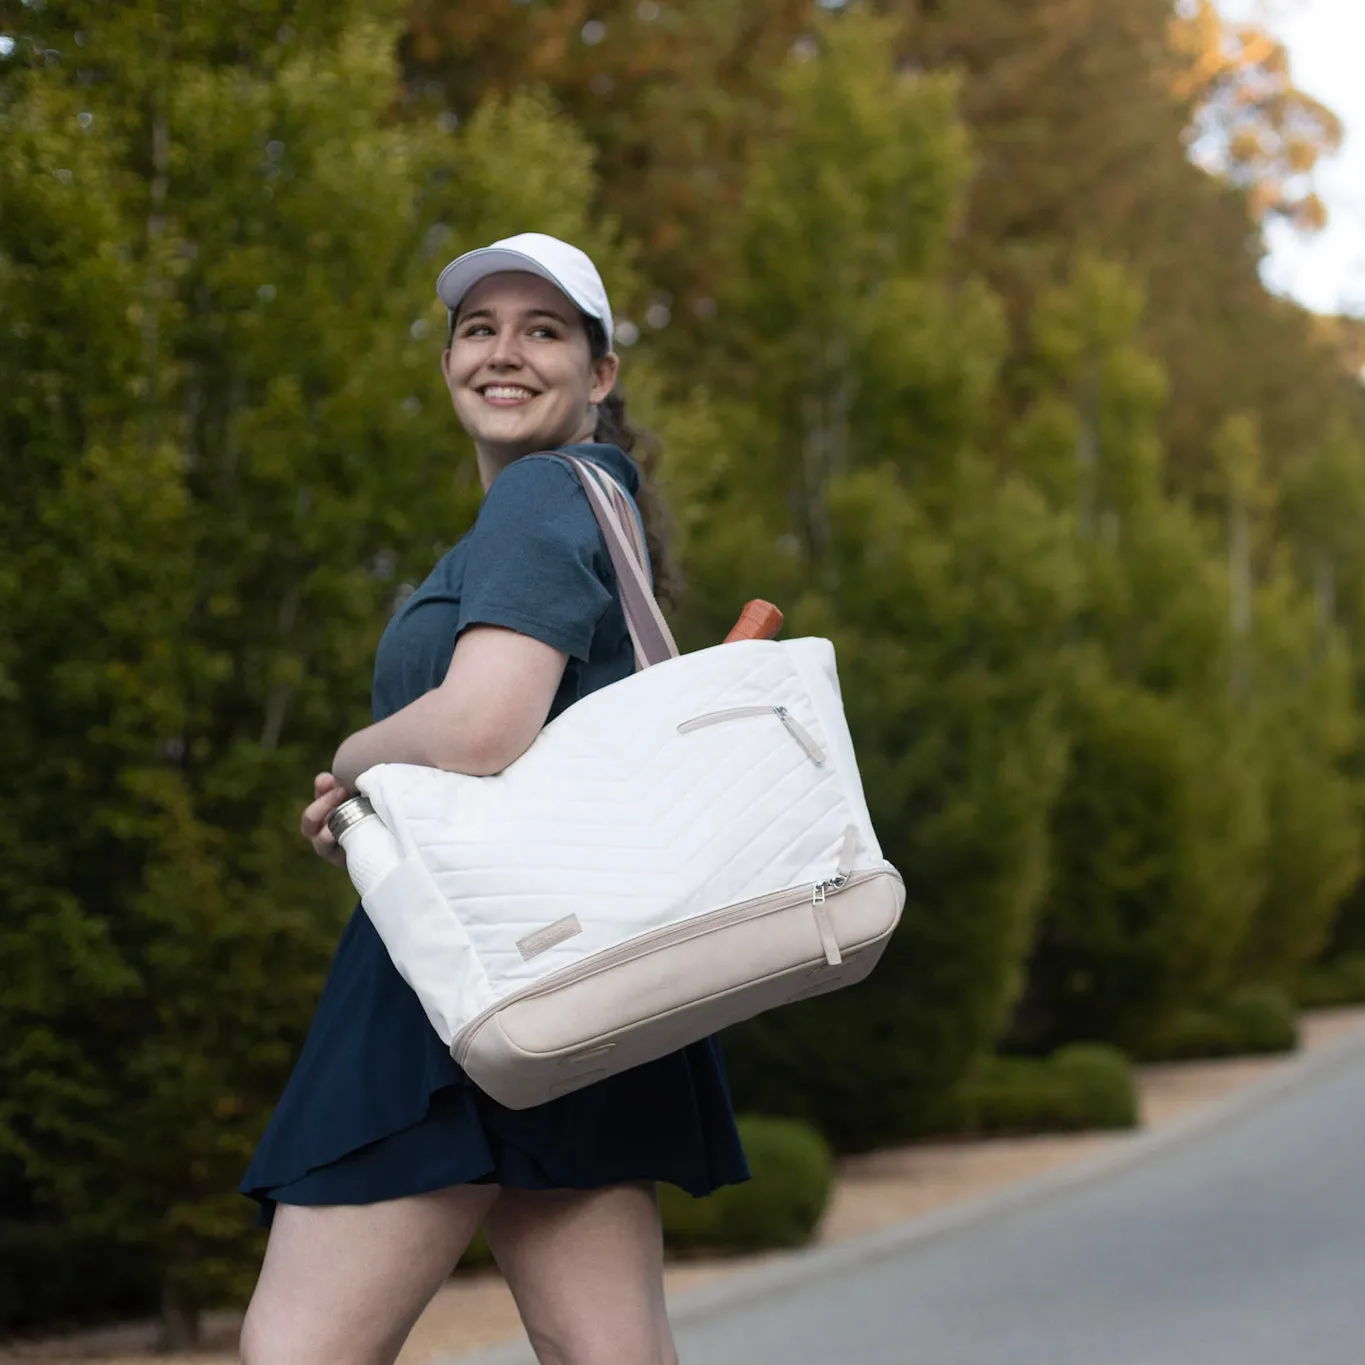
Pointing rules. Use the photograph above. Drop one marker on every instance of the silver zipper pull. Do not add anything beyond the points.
(824, 925)
(800, 734)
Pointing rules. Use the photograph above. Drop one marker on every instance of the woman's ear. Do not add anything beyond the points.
(604, 371)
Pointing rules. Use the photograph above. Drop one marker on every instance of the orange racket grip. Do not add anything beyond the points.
(758, 621)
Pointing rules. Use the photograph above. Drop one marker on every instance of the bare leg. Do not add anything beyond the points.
(586, 1270)
(343, 1284)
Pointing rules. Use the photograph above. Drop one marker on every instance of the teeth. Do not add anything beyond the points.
(506, 391)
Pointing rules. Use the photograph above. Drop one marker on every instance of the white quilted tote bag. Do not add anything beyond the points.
(676, 852)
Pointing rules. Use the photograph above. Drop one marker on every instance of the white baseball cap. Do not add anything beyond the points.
(565, 266)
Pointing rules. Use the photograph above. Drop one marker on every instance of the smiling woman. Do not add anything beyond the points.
(382, 1158)
(520, 370)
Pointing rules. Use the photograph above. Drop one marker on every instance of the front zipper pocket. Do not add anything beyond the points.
(793, 727)
(813, 895)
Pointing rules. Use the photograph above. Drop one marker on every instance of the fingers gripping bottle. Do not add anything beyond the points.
(371, 850)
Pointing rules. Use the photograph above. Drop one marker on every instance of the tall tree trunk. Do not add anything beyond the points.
(278, 702)
(1239, 579)
(151, 312)
(1325, 592)
(1088, 450)
(180, 1320)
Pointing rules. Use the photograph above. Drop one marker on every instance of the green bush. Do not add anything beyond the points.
(1332, 984)
(952, 706)
(1080, 1086)
(1252, 1021)
(51, 1280)
(1264, 1019)
(1348, 931)
(793, 1173)
(1101, 1079)
(1308, 729)
(478, 1255)
(1146, 905)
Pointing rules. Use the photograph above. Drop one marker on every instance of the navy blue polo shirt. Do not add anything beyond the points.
(375, 1107)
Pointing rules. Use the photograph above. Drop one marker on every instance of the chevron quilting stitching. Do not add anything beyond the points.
(769, 813)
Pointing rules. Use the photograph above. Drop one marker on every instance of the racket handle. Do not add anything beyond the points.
(758, 621)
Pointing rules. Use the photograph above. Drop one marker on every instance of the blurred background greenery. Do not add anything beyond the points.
(954, 352)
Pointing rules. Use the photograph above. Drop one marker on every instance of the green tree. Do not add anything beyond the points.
(851, 400)
(1306, 657)
(1253, 125)
(1308, 736)
(671, 96)
(1157, 833)
(948, 631)
(229, 451)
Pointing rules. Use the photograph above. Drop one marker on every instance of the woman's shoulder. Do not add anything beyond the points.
(536, 490)
(538, 503)
(553, 469)
(546, 468)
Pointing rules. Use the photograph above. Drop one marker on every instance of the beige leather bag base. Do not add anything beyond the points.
(669, 989)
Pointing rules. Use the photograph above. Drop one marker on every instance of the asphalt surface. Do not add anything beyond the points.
(1240, 1242)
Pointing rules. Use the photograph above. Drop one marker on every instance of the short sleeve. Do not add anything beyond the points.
(531, 559)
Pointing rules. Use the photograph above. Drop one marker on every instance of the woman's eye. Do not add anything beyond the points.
(542, 331)
(476, 329)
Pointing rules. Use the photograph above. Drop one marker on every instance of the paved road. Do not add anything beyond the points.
(1240, 1244)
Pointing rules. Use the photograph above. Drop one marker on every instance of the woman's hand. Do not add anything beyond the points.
(328, 794)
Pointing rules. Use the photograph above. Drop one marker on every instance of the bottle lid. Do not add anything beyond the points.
(349, 814)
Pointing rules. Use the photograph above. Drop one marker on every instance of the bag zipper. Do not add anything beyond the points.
(829, 941)
(794, 728)
(769, 904)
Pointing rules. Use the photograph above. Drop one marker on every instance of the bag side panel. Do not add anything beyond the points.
(429, 946)
(814, 660)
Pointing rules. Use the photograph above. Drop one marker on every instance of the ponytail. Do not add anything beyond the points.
(614, 427)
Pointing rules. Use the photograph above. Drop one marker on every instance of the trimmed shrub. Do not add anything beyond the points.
(1150, 895)
(1081, 1086)
(793, 1173)
(478, 1255)
(1331, 984)
(1252, 1021)
(1101, 1079)
(1264, 1019)
(1348, 931)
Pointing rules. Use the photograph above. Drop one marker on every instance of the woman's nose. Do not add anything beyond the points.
(506, 349)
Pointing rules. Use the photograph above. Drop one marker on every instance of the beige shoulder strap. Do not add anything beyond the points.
(649, 632)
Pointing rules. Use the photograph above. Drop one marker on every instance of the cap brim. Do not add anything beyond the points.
(461, 275)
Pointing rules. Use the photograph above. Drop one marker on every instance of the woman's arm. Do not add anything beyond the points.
(491, 704)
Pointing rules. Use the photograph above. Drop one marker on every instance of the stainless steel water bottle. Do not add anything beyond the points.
(371, 850)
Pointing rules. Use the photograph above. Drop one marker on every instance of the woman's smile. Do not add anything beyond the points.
(506, 395)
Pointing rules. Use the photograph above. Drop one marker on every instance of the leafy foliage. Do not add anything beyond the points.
(780, 1206)
(1251, 1020)
(957, 355)
(225, 417)
(1080, 1086)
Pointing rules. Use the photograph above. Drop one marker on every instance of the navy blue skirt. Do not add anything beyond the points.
(377, 1109)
